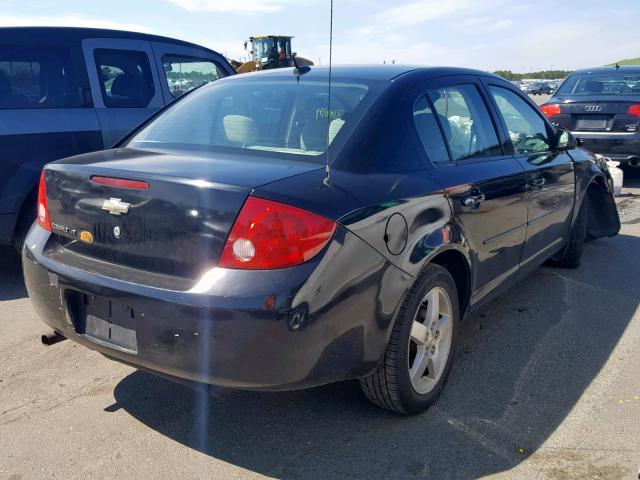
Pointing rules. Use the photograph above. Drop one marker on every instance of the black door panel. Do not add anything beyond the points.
(495, 226)
(485, 188)
(550, 177)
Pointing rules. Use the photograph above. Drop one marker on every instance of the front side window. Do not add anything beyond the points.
(36, 78)
(263, 49)
(125, 78)
(429, 132)
(466, 123)
(527, 129)
(186, 73)
(279, 116)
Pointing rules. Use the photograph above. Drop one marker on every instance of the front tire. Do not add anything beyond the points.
(421, 349)
(572, 252)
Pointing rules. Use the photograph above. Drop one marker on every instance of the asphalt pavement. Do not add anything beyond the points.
(546, 384)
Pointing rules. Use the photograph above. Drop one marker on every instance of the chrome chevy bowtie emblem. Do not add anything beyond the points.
(115, 206)
(593, 108)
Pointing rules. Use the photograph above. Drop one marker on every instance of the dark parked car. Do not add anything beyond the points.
(65, 91)
(538, 88)
(213, 246)
(601, 106)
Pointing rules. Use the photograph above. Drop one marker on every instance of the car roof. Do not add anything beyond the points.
(38, 35)
(374, 72)
(610, 69)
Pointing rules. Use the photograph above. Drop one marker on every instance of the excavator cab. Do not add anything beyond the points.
(271, 51)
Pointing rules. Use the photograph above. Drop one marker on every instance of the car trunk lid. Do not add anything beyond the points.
(598, 115)
(176, 218)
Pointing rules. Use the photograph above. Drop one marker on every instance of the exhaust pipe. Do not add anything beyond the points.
(52, 338)
(634, 162)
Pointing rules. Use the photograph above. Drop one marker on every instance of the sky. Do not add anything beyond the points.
(522, 36)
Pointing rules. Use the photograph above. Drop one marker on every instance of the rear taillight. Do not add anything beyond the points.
(268, 235)
(634, 110)
(551, 109)
(43, 211)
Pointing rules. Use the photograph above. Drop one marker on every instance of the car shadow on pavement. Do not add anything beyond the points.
(523, 362)
(11, 280)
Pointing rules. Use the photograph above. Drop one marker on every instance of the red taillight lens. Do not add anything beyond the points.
(43, 211)
(634, 110)
(551, 109)
(270, 235)
(120, 182)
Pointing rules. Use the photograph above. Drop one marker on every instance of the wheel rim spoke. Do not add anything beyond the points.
(419, 333)
(419, 364)
(434, 366)
(443, 327)
(433, 306)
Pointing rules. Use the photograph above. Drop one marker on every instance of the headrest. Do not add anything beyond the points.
(240, 130)
(129, 86)
(594, 87)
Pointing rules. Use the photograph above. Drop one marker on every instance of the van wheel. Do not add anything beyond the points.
(569, 257)
(421, 349)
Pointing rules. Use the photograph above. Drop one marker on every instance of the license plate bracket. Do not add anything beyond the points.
(111, 323)
(592, 124)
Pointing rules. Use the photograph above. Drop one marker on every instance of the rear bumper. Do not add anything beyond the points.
(221, 331)
(620, 147)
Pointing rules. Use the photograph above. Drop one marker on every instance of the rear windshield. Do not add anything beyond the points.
(605, 84)
(248, 115)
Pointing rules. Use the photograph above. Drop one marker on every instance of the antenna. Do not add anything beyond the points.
(327, 168)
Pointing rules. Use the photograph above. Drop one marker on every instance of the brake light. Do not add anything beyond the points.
(120, 182)
(269, 235)
(634, 110)
(43, 211)
(551, 109)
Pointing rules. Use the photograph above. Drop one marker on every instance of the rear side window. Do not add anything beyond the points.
(36, 78)
(186, 73)
(125, 78)
(466, 123)
(429, 132)
(527, 129)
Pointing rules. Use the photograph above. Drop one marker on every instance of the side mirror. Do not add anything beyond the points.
(565, 140)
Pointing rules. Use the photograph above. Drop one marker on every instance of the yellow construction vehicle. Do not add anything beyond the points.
(269, 51)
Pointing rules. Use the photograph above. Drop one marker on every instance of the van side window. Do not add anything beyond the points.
(527, 129)
(429, 132)
(186, 73)
(125, 78)
(466, 122)
(36, 78)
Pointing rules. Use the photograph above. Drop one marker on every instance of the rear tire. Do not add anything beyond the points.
(421, 349)
(26, 219)
(572, 252)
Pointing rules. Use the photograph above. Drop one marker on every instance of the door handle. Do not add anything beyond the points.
(471, 200)
(536, 182)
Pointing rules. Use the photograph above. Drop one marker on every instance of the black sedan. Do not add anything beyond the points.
(259, 234)
(601, 106)
(538, 88)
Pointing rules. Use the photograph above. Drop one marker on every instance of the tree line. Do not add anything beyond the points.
(548, 74)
